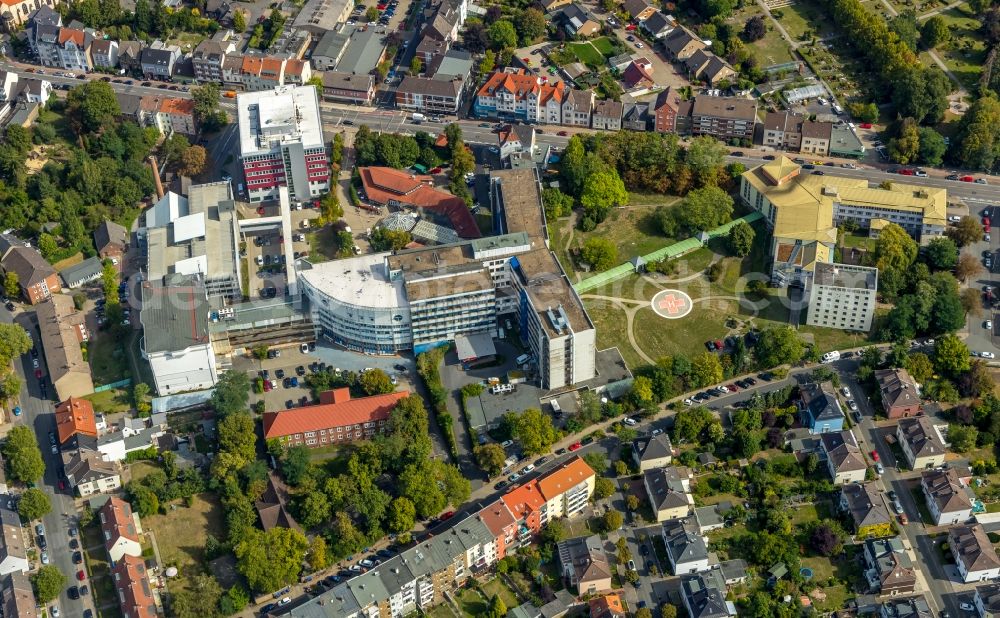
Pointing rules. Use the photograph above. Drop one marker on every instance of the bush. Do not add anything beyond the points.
(428, 364)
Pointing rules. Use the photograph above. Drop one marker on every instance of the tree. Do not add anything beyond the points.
(706, 369)
(23, 456)
(966, 231)
(978, 139)
(702, 210)
(920, 93)
(668, 611)
(534, 430)
(416, 66)
(778, 346)
(239, 21)
(194, 160)
(314, 509)
(641, 391)
(11, 284)
(894, 249)
(498, 609)
(603, 487)
(905, 147)
(237, 438)
(920, 367)
(140, 398)
(143, 499)
(968, 267)
(273, 559)
(488, 63)
(318, 558)
(599, 252)
(206, 106)
(864, 112)
(502, 35)
(34, 504)
(48, 582)
(383, 239)
(826, 539)
(971, 302)
(706, 156)
(754, 29)
(612, 520)
(490, 457)
(934, 32)
(402, 515)
(294, 463)
(941, 253)
(962, 437)
(376, 382)
(372, 14)
(232, 393)
(932, 147)
(602, 191)
(92, 105)
(530, 25)
(951, 355)
(347, 539)
(644, 612)
(741, 238)
(198, 599)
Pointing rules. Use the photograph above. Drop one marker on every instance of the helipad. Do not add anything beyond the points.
(671, 304)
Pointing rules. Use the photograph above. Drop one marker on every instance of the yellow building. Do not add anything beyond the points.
(15, 13)
(804, 210)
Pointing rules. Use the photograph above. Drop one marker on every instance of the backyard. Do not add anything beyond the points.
(108, 362)
(180, 533)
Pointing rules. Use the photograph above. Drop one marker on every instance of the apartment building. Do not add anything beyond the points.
(13, 546)
(783, 130)
(120, 529)
(104, 53)
(281, 143)
(900, 394)
(208, 58)
(669, 493)
(704, 595)
(843, 296)
(342, 87)
(176, 341)
(502, 525)
(888, 568)
(816, 138)
(37, 278)
(948, 500)
(336, 419)
(687, 551)
(987, 600)
(17, 596)
(131, 583)
(158, 60)
(174, 115)
(819, 408)
(975, 557)
(66, 48)
(577, 108)
(607, 115)
(725, 118)
(262, 72)
(585, 564)
(427, 94)
(516, 94)
(921, 442)
(664, 110)
(844, 460)
(62, 330)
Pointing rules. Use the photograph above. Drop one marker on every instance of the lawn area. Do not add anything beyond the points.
(604, 45)
(497, 587)
(586, 53)
(142, 469)
(772, 49)
(858, 240)
(72, 260)
(443, 610)
(658, 339)
(472, 603)
(803, 19)
(633, 231)
(181, 533)
(323, 245)
(967, 51)
(111, 401)
(108, 362)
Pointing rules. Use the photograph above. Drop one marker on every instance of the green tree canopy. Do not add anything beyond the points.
(48, 582)
(599, 252)
(34, 504)
(24, 459)
(376, 382)
(533, 429)
(232, 393)
(778, 346)
(741, 239)
(273, 559)
(602, 191)
(502, 35)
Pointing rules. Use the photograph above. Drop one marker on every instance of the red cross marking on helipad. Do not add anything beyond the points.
(672, 304)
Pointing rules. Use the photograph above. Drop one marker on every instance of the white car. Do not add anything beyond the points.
(630, 421)
(285, 601)
(639, 45)
(966, 607)
(846, 391)
(507, 443)
(987, 355)
(45, 557)
(724, 389)
(988, 324)
(689, 402)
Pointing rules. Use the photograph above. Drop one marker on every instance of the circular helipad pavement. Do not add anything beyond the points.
(671, 304)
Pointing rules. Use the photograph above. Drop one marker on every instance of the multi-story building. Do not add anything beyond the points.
(17, 596)
(281, 143)
(567, 488)
(336, 419)
(75, 417)
(66, 48)
(709, 68)
(428, 94)
(664, 111)
(13, 550)
(668, 490)
(948, 500)
(120, 529)
(987, 601)
(84, 467)
(585, 564)
(888, 568)
(819, 409)
(208, 58)
(36, 277)
(899, 393)
(158, 60)
(176, 341)
(17, 13)
(975, 558)
(517, 94)
(502, 525)
(62, 330)
(783, 130)
(262, 72)
(577, 107)
(349, 88)
(110, 240)
(842, 296)
(131, 582)
(816, 138)
(104, 53)
(921, 442)
(130, 56)
(704, 595)
(175, 115)
(844, 460)
(650, 452)
(687, 551)
(680, 44)
(297, 72)
(726, 118)
(607, 115)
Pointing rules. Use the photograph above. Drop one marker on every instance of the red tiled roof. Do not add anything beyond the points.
(522, 83)
(294, 66)
(524, 499)
(132, 583)
(117, 521)
(179, 107)
(635, 74)
(496, 517)
(251, 65)
(271, 64)
(606, 606)
(71, 34)
(75, 416)
(565, 477)
(336, 409)
(385, 184)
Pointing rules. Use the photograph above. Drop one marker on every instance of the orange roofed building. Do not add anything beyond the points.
(75, 416)
(131, 581)
(336, 419)
(608, 606)
(502, 525)
(385, 185)
(562, 492)
(518, 94)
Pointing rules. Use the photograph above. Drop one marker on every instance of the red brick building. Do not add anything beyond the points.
(336, 419)
(665, 111)
(135, 596)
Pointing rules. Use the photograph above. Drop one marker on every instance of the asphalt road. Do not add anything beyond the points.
(38, 413)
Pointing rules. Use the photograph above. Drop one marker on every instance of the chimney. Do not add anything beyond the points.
(156, 176)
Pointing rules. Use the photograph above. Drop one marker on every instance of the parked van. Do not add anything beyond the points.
(522, 359)
(829, 357)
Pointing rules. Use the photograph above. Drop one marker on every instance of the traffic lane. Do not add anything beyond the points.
(941, 590)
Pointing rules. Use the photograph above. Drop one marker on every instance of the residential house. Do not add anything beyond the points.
(665, 110)
(585, 564)
(516, 94)
(711, 517)
(217, 9)
(733, 571)
(552, 5)
(899, 393)
(668, 490)
(687, 551)
(175, 115)
(430, 95)
(42, 19)
(987, 601)
(272, 506)
(336, 419)
(17, 13)
(920, 442)
(975, 557)
(607, 606)
(158, 60)
(816, 138)
(910, 607)
(86, 271)
(888, 568)
(651, 452)
(863, 504)
(17, 597)
(104, 53)
(73, 49)
(110, 239)
(638, 77)
(638, 10)
(844, 460)
(637, 117)
(783, 130)
(709, 68)
(819, 409)
(85, 469)
(62, 330)
(120, 529)
(232, 70)
(75, 417)
(515, 138)
(578, 22)
(262, 72)
(726, 118)
(208, 58)
(297, 72)
(348, 88)
(130, 56)
(502, 525)
(567, 488)
(659, 25)
(13, 549)
(577, 108)
(680, 43)
(607, 115)
(131, 582)
(620, 62)
(704, 595)
(947, 499)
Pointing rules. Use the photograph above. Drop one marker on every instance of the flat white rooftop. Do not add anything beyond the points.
(360, 281)
(272, 117)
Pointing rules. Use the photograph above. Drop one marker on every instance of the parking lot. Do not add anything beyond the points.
(263, 250)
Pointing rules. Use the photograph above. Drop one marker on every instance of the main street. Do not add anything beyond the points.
(38, 413)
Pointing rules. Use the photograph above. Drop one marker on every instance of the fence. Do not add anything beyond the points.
(669, 252)
(113, 385)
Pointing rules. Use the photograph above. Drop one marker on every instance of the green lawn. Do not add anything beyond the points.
(112, 401)
(323, 245)
(802, 18)
(108, 362)
(967, 51)
(497, 587)
(472, 603)
(586, 53)
(772, 49)
(604, 45)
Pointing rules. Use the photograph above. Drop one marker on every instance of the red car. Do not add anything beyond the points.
(906, 172)
(631, 27)
(436, 170)
(967, 179)
(562, 134)
(986, 221)
(874, 456)
(575, 446)
(38, 374)
(267, 386)
(718, 344)
(62, 485)
(865, 125)
(448, 515)
(81, 575)
(733, 388)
